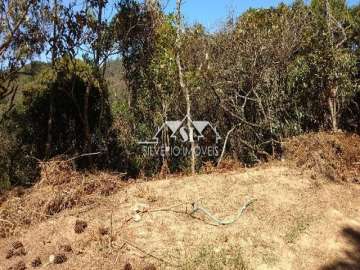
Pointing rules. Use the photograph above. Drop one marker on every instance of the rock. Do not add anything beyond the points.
(80, 226)
(36, 262)
(51, 258)
(137, 218)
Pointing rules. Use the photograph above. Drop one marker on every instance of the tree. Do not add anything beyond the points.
(141, 34)
(250, 80)
(20, 38)
(183, 85)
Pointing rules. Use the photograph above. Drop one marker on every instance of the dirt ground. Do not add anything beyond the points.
(298, 221)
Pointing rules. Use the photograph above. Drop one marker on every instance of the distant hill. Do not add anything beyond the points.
(115, 79)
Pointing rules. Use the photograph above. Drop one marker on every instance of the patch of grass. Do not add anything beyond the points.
(210, 258)
(301, 224)
(270, 258)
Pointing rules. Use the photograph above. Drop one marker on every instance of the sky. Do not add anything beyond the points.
(211, 13)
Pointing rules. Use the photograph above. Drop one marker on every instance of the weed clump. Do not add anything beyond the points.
(36, 262)
(80, 226)
(60, 258)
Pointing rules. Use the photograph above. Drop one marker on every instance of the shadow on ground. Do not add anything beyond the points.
(352, 260)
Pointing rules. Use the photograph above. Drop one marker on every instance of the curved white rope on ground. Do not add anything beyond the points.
(197, 207)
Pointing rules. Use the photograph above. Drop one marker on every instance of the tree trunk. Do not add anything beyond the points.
(87, 134)
(51, 105)
(332, 90)
(332, 103)
(49, 126)
(183, 85)
(165, 155)
(225, 144)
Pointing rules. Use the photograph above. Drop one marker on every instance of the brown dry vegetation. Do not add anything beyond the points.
(335, 156)
(300, 220)
(59, 188)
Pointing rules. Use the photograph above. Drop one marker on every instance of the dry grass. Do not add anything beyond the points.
(60, 188)
(226, 165)
(296, 223)
(292, 225)
(333, 155)
(212, 258)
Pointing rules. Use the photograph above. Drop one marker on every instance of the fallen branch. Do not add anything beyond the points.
(67, 160)
(84, 155)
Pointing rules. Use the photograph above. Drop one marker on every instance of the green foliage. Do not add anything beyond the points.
(17, 165)
(67, 85)
(272, 73)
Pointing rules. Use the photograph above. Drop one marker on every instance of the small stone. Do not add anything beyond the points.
(51, 258)
(137, 218)
(36, 262)
(80, 226)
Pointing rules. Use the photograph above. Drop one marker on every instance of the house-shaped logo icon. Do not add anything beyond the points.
(179, 131)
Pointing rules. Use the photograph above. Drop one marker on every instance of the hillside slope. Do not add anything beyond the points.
(297, 222)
